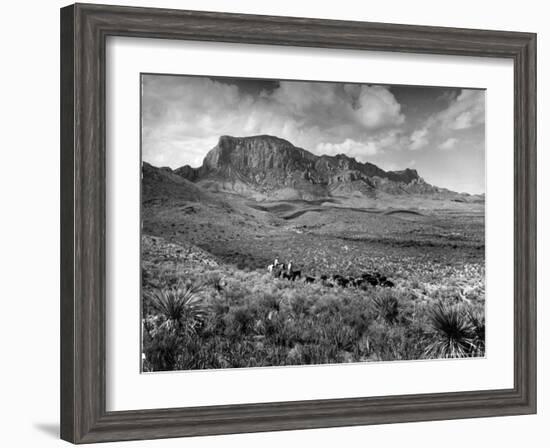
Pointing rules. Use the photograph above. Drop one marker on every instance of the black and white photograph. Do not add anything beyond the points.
(296, 222)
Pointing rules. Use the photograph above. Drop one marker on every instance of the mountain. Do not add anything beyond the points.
(265, 166)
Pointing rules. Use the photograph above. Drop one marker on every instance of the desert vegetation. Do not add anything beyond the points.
(199, 313)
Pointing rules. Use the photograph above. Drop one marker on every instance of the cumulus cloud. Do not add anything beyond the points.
(419, 139)
(363, 150)
(448, 144)
(377, 108)
(464, 111)
(349, 147)
(183, 116)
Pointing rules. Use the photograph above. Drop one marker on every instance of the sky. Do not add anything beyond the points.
(439, 131)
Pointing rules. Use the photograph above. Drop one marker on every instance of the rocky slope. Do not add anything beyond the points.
(162, 184)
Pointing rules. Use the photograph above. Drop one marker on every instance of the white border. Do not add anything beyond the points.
(128, 389)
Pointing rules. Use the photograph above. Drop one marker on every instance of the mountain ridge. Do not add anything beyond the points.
(269, 167)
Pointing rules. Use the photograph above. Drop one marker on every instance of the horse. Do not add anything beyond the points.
(295, 274)
(278, 270)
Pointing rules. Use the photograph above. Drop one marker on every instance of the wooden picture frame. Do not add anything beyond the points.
(84, 29)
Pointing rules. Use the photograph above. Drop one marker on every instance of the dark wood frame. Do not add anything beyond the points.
(84, 29)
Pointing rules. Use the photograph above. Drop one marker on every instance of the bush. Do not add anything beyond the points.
(477, 323)
(387, 308)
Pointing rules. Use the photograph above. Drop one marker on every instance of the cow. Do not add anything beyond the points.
(309, 279)
(340, 280)
(325, 281)
(371, 279)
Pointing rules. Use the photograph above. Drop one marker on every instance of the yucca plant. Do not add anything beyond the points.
(477, 323)
(182, 306)
(387, 308)
(452, 331)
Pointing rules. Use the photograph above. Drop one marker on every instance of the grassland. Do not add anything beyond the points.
(209, 302)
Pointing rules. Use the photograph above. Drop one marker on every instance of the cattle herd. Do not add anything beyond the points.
(288, 272)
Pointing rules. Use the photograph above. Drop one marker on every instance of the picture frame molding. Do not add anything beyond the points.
(84, 31)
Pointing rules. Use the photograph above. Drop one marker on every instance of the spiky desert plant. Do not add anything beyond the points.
(387, 308)
(216, 281)
(477, 323)
(452, 332)
(181, 306)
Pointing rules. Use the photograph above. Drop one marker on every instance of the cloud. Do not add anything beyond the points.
(448, 144)
(378, 108)
(419, 139)
(349, 147)
(181, 114)
(466, 111)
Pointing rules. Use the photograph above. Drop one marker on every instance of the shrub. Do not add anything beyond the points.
(477, 323)
(387, 308)
(239, 322)
(216, 281)
(160, 350)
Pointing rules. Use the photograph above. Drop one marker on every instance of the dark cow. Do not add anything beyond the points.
(325, 281)
(377, 279)
(344, 282)
(340, 280)
(369, 278)
(309, 279)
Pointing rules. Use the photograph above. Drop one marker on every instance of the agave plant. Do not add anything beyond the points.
(182, 306)
(452, 331)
